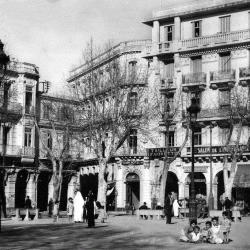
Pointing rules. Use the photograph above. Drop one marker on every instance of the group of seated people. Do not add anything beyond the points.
(210, 233)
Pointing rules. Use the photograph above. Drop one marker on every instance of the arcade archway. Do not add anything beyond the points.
(172, 183)
(43, 190)
(133, 190)
(199, 183)
(20, 188)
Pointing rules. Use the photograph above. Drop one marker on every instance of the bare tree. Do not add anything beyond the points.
(54, 126)
(237, 116)
(113, 102)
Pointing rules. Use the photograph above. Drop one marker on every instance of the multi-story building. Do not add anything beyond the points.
(18, 101)
(203, 50)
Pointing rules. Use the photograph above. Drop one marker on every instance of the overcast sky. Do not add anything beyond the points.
(53, 33)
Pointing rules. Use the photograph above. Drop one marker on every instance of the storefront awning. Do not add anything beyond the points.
(242, 177)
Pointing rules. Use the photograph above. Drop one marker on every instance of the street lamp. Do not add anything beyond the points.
(211, 197)
(193, 110)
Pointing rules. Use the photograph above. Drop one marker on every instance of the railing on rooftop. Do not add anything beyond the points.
(219, 75)
(218, 38)
(194, 78)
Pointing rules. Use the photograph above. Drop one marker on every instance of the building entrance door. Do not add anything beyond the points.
(20, 188)
(133, 190)
(42, 190)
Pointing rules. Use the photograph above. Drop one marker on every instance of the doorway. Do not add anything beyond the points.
(20, 188)
(133, 190)
(172, 183)
(43, 190)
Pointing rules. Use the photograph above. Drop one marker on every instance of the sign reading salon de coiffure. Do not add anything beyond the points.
(217, 149)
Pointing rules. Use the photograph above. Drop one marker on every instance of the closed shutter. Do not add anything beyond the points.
(225, 24)
(197, 65)
(225, 62)
(169, 70)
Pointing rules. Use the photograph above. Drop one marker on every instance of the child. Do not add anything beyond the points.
(56, 211)
(225, 226)
(206, 232)
(70, 208)
(195, 236)
(102, 214)
(215, 239)
(185, 232)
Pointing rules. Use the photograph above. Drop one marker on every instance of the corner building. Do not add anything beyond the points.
(202, 50)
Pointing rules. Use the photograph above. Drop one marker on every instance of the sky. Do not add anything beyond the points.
(53, 33)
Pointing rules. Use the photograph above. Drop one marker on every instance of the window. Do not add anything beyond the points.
(27, 137)
(225, 62)
(225, 24)
(169, 69)
(47, 107)
(133, 141)
(224, 98)
(198, 96)
(169, 103)
(196, 64)
(197, 136)
(49, 141)
(66, 114)
(171, 139)
(28, 100)
(196, 29)
(132, 67)
(169, 33)
(224, 135)
(132, 100)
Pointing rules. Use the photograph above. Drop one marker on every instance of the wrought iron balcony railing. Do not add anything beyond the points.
(220, 75)
(194, 78)
(14, 150)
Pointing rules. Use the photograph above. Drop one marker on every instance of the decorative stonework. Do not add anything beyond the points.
(216, 50)
(210, 58)
(239, 53)
(132, 169)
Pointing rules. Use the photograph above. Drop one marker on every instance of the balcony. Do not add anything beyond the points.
(167, 118)
(30, 110)
(222, 79)
(194, 82)
(219, 116)
(165, 47)
(244, 76)
(28, 151)
(14, 150)
(11, 113)
(218, 39)
(168, 85)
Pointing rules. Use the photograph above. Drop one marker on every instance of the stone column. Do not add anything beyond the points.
(50, 189)
(120, 186)
(186, 190)
(145, 183)
(156, 32)
(177, 28)
(31, 188)
(181, 190)
(10, 190)
(71, 186)
(215, 196)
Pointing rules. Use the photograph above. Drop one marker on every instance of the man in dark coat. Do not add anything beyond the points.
(28, 202)
(90, 206)
(168, 207)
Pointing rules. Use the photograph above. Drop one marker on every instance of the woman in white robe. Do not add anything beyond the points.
(78, 207)
(176, 207)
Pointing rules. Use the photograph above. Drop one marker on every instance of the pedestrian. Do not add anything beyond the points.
(85, 210)
(28, 202)
(70, 209)
(56, 211)
(228, 204)
(225, 226)
(133, 209)
(50, 207)
(168, 207)
(78, 207)
(144, 206)
(90, 206)
(176, 208)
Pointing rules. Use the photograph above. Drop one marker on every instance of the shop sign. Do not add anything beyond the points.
(132, 162)
(217, 149)
(202, 169)
(156, 153)
(199, 180)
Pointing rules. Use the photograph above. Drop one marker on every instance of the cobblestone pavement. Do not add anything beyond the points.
(118, 232)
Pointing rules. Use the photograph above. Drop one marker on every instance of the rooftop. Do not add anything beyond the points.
(201, 7)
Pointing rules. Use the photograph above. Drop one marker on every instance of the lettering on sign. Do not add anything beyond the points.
(217, 149)
(156, 153)
(202, 169)
(131, 162)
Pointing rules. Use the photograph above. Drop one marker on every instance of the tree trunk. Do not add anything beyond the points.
(225, 173)
(164, 182)
(102, 185)
(230, 180)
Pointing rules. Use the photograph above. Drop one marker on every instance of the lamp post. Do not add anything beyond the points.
(211, 197)
(193, 110)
